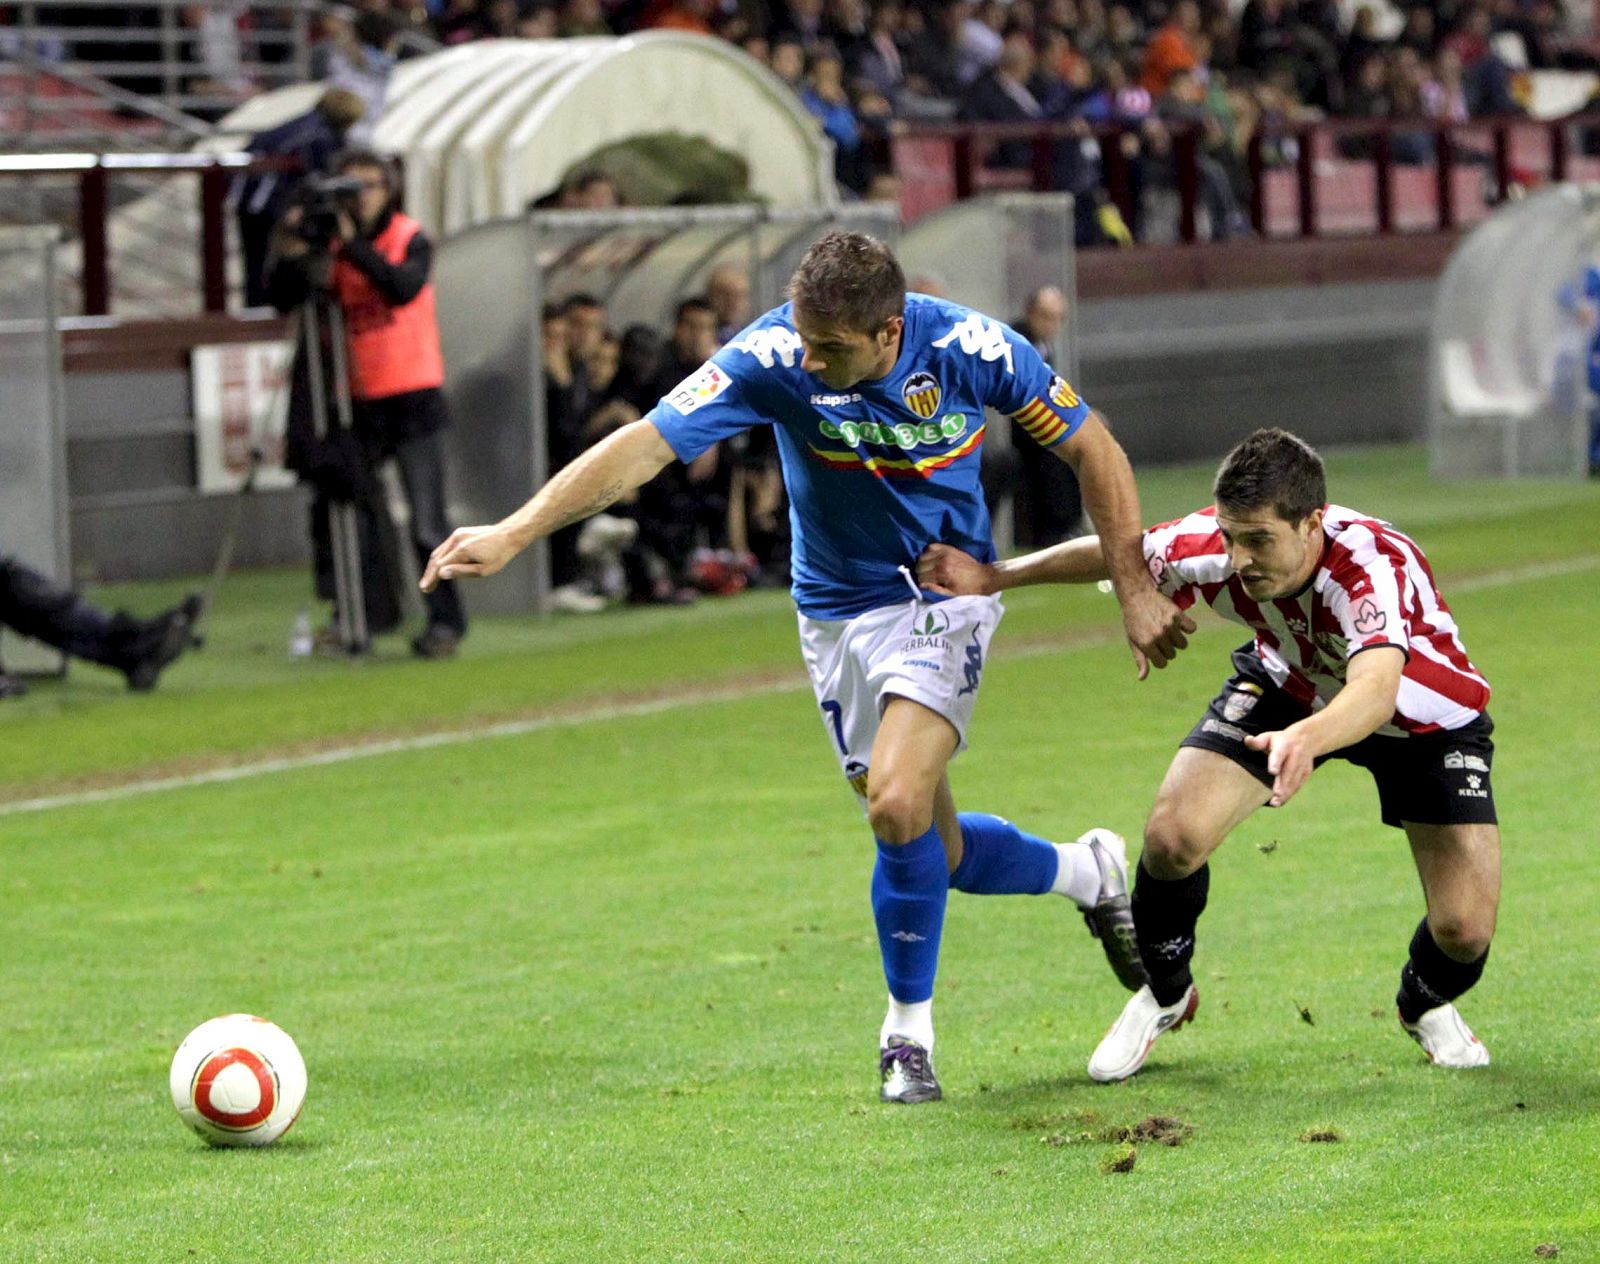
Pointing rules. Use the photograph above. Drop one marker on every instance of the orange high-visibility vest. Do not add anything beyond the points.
(392, 350)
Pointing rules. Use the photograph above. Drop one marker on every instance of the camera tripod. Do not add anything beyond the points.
(317, 316)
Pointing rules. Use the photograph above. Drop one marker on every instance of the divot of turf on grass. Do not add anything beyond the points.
(1120, 1161)
(1313, 1135)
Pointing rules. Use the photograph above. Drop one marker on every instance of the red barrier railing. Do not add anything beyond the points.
(918, 151)
(95, 174)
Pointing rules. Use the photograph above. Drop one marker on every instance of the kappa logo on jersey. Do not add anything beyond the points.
(835, 401)
(1062, 395)
(699, 388)
(921, 394)
(769, 346)
(980, 336)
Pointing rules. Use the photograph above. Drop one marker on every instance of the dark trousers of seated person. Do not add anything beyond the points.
(36, 606)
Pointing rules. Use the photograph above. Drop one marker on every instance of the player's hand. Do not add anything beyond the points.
(474, 551)
(1156, 628)
(1290, 760)
(947, 570)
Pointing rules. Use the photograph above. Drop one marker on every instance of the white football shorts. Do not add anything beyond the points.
(930, 652)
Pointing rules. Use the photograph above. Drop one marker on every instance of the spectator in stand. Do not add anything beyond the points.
(1419, 32)
(933, 50)
(875, 59)
(581, 18)
(1124, 36)
(1486, 79)
(693, 16)
(1050, 503)
(1171, 48)
(1002, 95)
(979, 40)
(460, 22)
(589, 191)
(573, 351)
(789, 64)
(1362, 42)
(1266, 35)
(1444, 95)
(804, 25)
(307, 145)
(823, 95)
(359, 57)
(1183, 105)
(537, 22)
(728, 292)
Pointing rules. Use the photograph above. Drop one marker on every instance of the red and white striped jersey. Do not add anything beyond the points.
(1372, 587)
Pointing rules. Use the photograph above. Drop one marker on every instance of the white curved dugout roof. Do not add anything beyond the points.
(487, 127)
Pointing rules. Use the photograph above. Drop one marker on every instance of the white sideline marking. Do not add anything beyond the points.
(594, 715)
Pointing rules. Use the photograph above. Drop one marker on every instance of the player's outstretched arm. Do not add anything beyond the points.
(1361, 708)
(947, 570)
(604, 474)
(1156, 628)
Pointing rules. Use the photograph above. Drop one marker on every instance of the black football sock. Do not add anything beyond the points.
(1431, 977)
(1164, 915)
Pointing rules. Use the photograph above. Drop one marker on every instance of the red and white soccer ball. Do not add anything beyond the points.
(238, 1080)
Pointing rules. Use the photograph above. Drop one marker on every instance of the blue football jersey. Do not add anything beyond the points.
(878, 472)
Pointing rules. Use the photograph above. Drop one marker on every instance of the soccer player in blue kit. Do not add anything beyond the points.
(877, 399)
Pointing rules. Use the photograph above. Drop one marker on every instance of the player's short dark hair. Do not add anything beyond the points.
(850, 279)
(1272, 468)
(574, 301)
(695, 304)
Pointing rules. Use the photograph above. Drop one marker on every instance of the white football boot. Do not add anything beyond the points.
(1127, 1044)
(1446, 1038)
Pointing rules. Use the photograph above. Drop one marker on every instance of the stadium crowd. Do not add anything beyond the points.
(1130, 73)
(1149, 67)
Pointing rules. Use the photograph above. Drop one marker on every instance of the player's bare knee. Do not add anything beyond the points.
(896, 814)
(1462, 936)
(1171, 850)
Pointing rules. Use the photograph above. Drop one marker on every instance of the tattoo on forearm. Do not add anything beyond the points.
(604, 496)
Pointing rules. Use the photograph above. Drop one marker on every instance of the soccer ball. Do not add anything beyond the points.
(238, 1080)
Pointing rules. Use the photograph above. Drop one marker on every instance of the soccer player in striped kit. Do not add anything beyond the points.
(1356, 656)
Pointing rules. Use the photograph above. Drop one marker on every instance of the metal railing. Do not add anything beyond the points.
(95, 177)
(1391, 146)
(191, 59)
(952, 161)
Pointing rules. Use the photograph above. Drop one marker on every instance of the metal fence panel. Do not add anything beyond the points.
(1508, 394)
(33, 468)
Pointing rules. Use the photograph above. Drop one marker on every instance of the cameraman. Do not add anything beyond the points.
(346, 238)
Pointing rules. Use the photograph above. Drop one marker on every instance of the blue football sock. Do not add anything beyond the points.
(910, 884)
(999, 859)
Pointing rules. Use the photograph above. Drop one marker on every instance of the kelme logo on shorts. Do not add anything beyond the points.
(921, 394)
(904, 435)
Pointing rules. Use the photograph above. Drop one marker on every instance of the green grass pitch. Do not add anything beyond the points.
(608, 990)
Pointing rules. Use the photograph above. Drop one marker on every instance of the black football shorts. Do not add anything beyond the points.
(1429, 778)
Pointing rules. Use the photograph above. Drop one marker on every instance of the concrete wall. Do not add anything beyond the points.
(131, 476)
(1184, 376)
